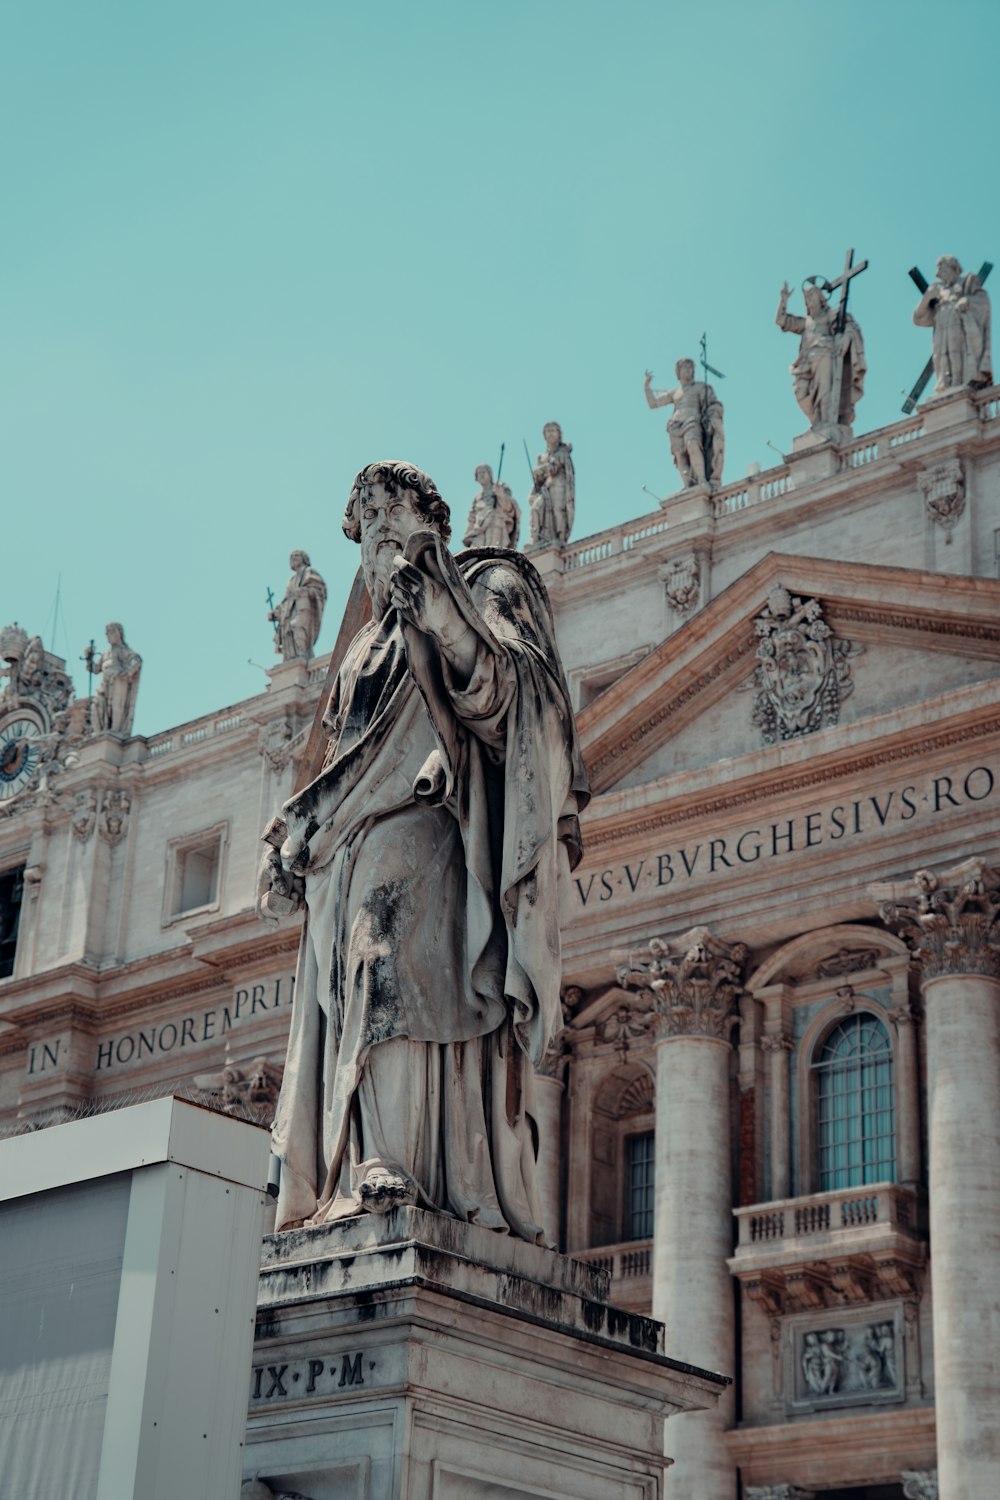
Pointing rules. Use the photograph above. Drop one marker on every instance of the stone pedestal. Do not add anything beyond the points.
(415, 1356)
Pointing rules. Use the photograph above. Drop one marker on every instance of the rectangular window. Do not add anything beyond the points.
(11, 892)
(639, 1203)
(194, 873)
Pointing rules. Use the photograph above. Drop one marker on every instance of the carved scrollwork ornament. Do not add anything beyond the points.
(920, 1484)
(113, 825)
(695, 983)
(563, 1044)
(681, 578)
(950, 921)
(778, 1492)
(943, 489)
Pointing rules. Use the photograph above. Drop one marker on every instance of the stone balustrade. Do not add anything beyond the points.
(630, 1266)
(848, 1209)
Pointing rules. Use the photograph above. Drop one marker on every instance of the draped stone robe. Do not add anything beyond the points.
(439, 832)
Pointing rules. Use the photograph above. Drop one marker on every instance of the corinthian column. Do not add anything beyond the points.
(695, 984)
(951, 919)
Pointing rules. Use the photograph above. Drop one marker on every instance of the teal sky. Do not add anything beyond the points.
(248, 247)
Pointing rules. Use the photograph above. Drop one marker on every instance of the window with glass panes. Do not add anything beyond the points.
(11, 892)
(639, 1202)
(856, 1129)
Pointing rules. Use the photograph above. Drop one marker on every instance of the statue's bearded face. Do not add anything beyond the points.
(386, 522)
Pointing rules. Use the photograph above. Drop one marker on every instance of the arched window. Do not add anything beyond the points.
(856, 1130)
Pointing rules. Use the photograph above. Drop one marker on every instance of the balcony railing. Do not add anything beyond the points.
(628, 1262)
(772, 1225)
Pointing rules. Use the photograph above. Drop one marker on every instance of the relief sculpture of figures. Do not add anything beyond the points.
(957, 307)
(553, 498)
(695, 430)
(429, 854)
(297, 619)
(495, 517)
(117, 670)
(828, 377)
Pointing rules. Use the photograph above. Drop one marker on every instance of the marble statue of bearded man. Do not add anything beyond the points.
(431, 849)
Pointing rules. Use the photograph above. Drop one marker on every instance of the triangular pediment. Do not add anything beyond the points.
(858, 648)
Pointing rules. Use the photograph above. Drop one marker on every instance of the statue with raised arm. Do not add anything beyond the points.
(495, 517)
(828, 377)
(957, 308)
(297, 619)
(553, 497)
(428, 854)
(117, 671)
(695, 430)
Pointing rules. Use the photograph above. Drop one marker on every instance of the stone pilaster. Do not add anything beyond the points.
(695, 984)
(951, 921)
(778, 1047)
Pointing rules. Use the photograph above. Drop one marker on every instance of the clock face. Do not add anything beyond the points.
(20, 753)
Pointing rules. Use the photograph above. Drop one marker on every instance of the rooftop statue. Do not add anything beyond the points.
(957, 307)
(297, 619)
(495, 517)
(117, 671)
(828, 377)
(553, 498)
(429, 854)
(695, 430)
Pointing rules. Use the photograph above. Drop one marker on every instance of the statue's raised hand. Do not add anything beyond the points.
(786, 291)
(426, 604)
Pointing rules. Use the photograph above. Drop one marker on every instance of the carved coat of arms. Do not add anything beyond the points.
(803, 673)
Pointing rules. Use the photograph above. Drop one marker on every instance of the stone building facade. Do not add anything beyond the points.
(772, 1110)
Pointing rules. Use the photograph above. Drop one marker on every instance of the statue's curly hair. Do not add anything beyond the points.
(396, 475)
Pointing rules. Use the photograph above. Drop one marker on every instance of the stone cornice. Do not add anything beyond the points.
(777, 781)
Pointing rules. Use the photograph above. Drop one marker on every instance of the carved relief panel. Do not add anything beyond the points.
(844, 1358)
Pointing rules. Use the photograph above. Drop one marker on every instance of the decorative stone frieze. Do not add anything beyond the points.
(275, 744)
(943, 489)
(625, 1025)
(920, 1484)
(847, 961)
(695, 983)
(113, 825)
(950, 920)
(803, 672)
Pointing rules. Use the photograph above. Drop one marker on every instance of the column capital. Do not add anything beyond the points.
(950, 920)
(695, 983)
(780, 1043)
(920, 1484)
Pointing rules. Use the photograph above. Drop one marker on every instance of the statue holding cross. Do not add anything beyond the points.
(828, 377)
(957, 308)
